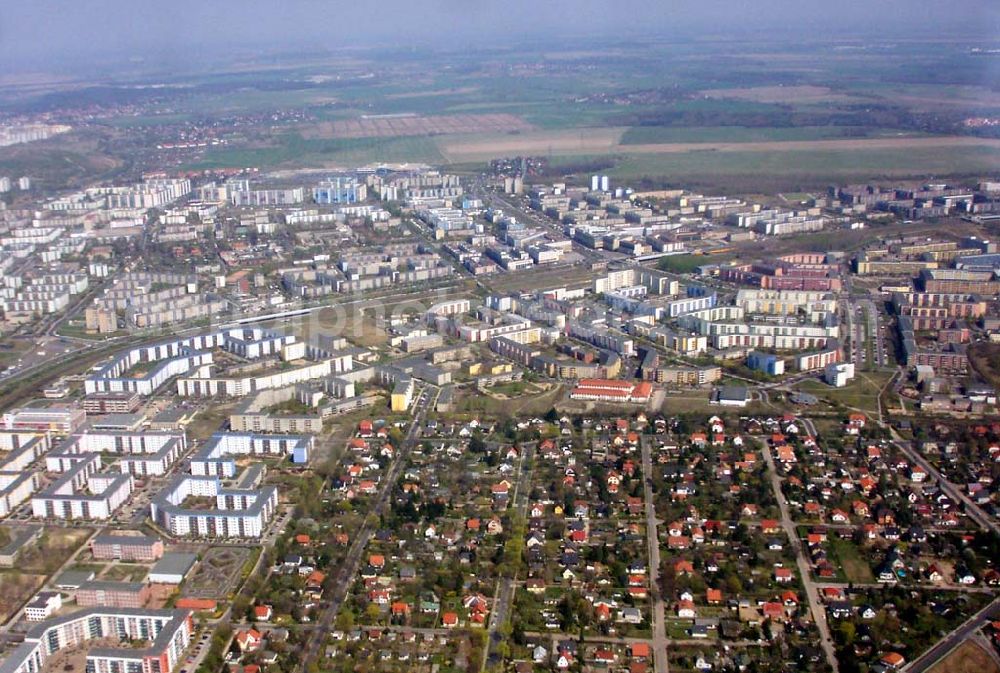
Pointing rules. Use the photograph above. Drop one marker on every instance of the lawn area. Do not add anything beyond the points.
(696, 400)
(869, 341)
(512, 389)
(77, 328)
(525, 405)
(125, 572)
(861, 393)
(848, 556)
(683, 263)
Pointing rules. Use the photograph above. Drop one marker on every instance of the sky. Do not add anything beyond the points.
(46, 35)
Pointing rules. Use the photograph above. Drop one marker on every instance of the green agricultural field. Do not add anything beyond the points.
(804, 169)
(293, 150)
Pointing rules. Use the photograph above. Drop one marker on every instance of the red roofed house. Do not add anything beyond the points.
(639, 651)
(773, 610)
(893, 660)
(248, 639)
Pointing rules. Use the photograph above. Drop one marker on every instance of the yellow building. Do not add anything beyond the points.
(402, 395)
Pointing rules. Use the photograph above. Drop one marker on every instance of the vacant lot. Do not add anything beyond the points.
(359, 327)
(160, 594)
(12, 349)
(15, 588)
(968, 657)
(54, 547)
(985, 359)
(208, 422)
(539, 278)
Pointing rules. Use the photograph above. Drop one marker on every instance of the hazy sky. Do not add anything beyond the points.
(35, 35)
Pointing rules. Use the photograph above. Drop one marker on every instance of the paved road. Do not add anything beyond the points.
(958, 588)
(810, 426)
(88, 348)
(953, 639)
(812, 593)
(659, 640)
(876, 331)
(854, 331)
(619, 640)
(349, 566)
(952, 491)
(540, 220)
(507, 585)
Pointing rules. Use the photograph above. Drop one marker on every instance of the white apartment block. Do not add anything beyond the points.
(81, 492)
(166, 633)
(15, 488)
(201, 383)
(151, 193)
(656, 282)
(815, 305)
(238, 513)
(180, 356)
(143, 453)
(602, 337)
(217, 456)
(727, 327)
